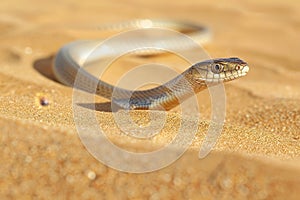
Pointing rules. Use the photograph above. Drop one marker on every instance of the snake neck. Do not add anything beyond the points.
(164, 97)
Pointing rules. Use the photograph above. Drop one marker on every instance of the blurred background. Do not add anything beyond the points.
(257, 156)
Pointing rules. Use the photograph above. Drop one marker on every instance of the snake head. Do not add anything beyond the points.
(221, 70)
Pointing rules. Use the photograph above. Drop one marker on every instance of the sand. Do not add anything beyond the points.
(256, 156)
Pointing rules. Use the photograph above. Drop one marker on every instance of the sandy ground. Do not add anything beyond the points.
(256, 156)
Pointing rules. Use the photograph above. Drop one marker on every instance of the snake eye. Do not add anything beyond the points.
(217, 68)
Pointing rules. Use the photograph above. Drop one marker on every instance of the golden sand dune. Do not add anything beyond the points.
(256, 156)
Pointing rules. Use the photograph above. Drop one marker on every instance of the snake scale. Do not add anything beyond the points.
(199, 76)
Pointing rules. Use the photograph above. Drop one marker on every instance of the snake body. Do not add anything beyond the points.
(67, 68)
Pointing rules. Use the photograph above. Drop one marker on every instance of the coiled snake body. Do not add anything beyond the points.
(198, 77)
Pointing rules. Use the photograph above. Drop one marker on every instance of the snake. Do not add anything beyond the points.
(199, 76)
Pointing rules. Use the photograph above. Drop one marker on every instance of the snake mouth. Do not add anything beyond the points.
(235, 74)
(245, 70)
(241, 72)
